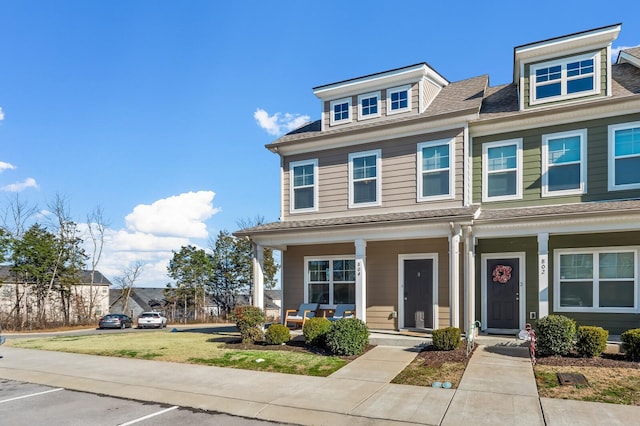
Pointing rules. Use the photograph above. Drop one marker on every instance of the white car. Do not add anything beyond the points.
(152, 319)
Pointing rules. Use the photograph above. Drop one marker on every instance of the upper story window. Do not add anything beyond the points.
(369, 105)
(399, 99)
(364, 179)
(435, 170)
(564, 163)
(502, 170)
(565, 78)
(304, 187)
(340, 111)
(624, 156)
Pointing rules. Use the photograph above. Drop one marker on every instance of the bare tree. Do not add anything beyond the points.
(96, 227)
(16, 216)
(127, 281)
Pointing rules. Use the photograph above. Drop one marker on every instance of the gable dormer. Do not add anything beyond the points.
(400, 92)
(565, 69)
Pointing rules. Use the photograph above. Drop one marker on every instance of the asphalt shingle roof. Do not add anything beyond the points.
(577, 209)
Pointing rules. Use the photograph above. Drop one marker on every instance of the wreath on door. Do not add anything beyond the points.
(502, 274)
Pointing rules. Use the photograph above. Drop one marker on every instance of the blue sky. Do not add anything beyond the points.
(158, 111)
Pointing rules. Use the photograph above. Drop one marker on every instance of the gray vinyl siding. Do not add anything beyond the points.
(616, 323)
(429, 92)
(603, 79)
(399, 178)
(596, 172)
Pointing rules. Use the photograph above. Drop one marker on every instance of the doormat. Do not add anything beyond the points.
(572, 379)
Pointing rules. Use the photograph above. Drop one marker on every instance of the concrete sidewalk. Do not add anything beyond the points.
(498, 387)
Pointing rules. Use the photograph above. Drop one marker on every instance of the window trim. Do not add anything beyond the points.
(330, 259)
(596, 297)
(612, 156)
(582, 189)
(390, 91)
(420, 172)
(332, 120)
(533, 100)
(485, 170)
(292, 187)
(378, 178)
(367, 96)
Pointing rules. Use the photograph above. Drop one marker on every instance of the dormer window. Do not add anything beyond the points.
(565, 78)
(399, 99)
(341, 111)
(369, 105)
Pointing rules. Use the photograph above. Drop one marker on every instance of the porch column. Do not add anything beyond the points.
(258, 276)
(543, 274)
(361, 279)
(469, 277)
(454, 276)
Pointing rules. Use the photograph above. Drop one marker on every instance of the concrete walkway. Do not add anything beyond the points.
(497, 388)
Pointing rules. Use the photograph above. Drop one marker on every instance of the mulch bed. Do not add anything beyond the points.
(434, 358)
(604, 360)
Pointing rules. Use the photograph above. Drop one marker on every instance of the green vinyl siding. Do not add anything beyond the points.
(596, 170)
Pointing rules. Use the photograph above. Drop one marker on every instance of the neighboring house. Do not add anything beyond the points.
(140, 300)
(20, 297)
(431, 203)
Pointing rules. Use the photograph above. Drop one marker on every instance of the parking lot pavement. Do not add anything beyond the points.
(31, 404)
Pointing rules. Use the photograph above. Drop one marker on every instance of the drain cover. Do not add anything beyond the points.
(572, 379)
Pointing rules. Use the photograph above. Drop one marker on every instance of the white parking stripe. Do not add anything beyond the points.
(29, 396)
(148, 416)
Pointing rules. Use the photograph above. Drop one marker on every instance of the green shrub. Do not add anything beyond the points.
(348, 336)
(631, 344)
(277, 334)
(315, 331)
(555, 335)
(447, 339)
(591, 341)
(249, 320)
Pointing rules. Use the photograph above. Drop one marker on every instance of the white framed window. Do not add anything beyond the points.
(330, 280)
(365, 178)
(624, 156)
(436, 174)
(564, 163)
(502, 170)
(369, 105)
(596, 280)
(340, 111)
(303, 177)
(565, 78)
(399, 99)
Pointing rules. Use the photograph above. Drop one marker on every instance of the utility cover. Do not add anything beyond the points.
(572, 379)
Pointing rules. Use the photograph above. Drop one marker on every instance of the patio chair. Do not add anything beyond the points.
(347, 310)
(300, 316)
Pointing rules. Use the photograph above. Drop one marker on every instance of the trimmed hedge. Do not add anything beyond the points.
(447, 339)
(555, 335)
(277, 334)
(348, 336)
(249, 320)
(591, 341)
(315, 331)
(631, 344)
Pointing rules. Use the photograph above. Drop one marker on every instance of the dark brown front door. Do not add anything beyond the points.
(418, 293)
(503, 287)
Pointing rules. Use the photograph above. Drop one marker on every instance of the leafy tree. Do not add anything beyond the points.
(225, 286)
(192, 269)
(244, 258)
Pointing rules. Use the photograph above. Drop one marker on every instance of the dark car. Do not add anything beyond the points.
(115, 321)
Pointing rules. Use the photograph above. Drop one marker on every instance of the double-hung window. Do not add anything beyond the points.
(369, 105)
(304, 188)
(565, 78)
(596, 280)
(624, 156)
(340, 111)
(330, 280)
(564, 163)
(399, 99)
(502, 170)
(364, 178)
(436, 170)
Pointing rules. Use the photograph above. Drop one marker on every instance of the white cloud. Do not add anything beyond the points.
(615, 51)
(1, 114)
(181, 215)
(5, 166)
(20, 186)
(279, 123)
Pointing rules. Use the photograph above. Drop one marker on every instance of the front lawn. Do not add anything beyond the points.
(431, 366)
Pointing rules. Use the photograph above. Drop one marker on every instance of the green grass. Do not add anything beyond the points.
(187, 347)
